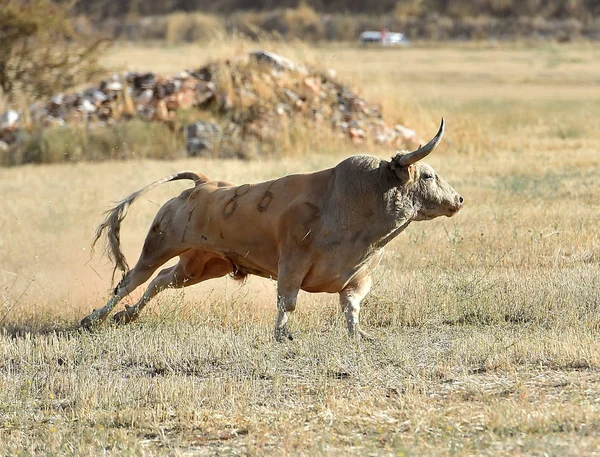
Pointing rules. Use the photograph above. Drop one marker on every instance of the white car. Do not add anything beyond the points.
(385, 38)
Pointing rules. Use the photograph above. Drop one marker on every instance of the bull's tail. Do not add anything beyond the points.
(112, 223)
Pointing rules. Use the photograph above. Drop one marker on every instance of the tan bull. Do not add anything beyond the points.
(319, 232)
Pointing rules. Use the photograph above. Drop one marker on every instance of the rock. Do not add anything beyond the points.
(382, 138)
(202, 129)
(57, 100)
(9, 120)
(197, 147)
(204, 74)
(141, 81)
(200, 138)
(114, 86)
(105, 112)
(52, 121)
(274, 60)
(172, 87)
(171, 102)
(144, 99)
(71, 101)
(282, 109)
(356, 135)
(38, 111)
(204, 91)
(186, 98)
(254, 99)
(146, 113)
(89, 92)
(313, 84)
(406, 136)
(98, 97)
(87, 107)
(3, 146)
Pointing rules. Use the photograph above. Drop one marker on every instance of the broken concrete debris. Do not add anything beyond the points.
(245, 98)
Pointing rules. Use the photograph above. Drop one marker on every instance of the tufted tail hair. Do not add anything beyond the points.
(112, 223)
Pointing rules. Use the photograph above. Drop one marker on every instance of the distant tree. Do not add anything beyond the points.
(40, 52)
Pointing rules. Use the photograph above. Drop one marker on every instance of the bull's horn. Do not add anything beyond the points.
(408, 159)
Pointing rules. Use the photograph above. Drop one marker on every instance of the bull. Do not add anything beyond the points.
(323, 231)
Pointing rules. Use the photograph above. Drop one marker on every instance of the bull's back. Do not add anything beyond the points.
(253, 222)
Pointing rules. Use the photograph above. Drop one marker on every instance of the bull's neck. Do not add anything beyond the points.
(397, 209)
(389, 223)
(392, 233)
(372, 205)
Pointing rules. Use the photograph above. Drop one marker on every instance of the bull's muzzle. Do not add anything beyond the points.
(457, 206)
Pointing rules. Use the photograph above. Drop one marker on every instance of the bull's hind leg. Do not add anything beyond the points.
(158, 249)
(134, 278)
(165, 278)
(193, 267)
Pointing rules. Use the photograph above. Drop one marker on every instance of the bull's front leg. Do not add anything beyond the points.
(286, 304)
(350, 299)
(289, 280)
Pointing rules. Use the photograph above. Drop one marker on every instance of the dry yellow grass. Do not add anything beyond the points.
(487, 323)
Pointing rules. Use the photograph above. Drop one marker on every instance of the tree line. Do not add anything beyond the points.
(583, 10)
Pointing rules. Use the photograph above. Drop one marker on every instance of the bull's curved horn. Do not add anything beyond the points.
(408, 159)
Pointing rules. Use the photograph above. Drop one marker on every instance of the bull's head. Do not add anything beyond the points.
(431, 196)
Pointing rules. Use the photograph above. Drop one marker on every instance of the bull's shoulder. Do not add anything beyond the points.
(224, 184)
(358, 176)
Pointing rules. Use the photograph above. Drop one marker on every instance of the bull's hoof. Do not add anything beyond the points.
(89, 322)
(283, 334)
(359, 334)
(120, 318)
(366, 336)
(123, 317)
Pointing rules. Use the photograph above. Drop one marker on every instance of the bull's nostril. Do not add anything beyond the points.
(460, 199)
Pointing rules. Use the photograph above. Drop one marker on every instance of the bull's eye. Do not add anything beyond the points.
(426, 176)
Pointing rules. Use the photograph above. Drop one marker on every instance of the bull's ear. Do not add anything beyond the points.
(404, 173)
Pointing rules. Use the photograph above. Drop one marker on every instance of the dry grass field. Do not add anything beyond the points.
(487, 324)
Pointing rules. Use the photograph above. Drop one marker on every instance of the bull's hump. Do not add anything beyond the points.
(360, 162)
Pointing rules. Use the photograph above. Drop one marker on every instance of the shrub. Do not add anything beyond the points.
(191, 27)
(134, 139)
(41, 53)
(302, 22)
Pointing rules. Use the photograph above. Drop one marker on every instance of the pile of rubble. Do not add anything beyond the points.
(245, 98)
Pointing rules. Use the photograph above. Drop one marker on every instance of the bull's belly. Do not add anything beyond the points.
(327, 277)
(323, 283)
(246, 265)
(337, 272)
(329, 282)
